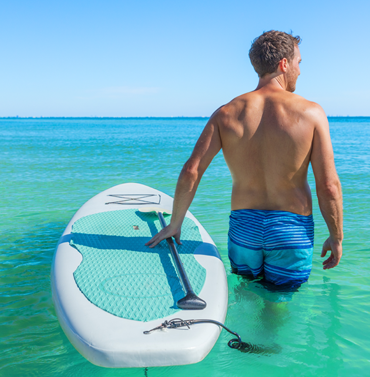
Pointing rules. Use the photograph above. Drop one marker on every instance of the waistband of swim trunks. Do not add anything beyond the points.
(269, 213)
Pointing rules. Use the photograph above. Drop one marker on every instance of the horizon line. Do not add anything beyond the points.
(145, 117)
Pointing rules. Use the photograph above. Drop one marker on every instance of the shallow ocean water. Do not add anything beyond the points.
(50, 167)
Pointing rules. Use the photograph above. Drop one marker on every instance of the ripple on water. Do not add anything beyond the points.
(51, 167)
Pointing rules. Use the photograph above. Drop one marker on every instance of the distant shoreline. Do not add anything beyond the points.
(164, 117)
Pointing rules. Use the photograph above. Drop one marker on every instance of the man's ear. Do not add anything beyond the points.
(283, 65)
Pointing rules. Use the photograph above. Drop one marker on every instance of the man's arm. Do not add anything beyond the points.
(207, 146)
(328, 188)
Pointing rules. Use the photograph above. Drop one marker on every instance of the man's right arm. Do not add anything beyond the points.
(328, 187)
(207, 146)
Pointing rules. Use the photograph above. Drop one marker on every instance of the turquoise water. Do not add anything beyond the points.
(50, 167)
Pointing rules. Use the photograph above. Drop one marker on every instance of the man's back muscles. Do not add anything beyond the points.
(266, 139)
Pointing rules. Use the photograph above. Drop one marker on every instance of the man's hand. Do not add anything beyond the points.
(336, 253)
(166, 232)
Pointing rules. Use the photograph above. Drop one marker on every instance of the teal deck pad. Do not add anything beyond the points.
(121, 275)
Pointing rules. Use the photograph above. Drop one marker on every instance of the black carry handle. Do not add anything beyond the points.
(191, 301)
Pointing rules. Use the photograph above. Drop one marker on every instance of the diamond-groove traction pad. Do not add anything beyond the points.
(121, 275)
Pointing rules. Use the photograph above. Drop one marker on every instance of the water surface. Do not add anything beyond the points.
(50, 167)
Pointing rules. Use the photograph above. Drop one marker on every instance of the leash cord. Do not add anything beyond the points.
(235, 343)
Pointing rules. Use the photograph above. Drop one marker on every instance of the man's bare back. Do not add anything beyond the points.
(269, 137)
(266, 138)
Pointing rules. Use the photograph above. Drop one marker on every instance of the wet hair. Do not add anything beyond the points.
(269, 48)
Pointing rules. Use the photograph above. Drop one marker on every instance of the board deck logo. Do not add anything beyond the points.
(136, 199)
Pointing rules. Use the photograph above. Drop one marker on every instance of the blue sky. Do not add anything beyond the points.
(172, 58)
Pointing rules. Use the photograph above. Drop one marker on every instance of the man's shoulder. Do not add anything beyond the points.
(309, 104)
(312, 110)
(303, 107)
(235, 107)
(255, 98)
(247, 104)
(225, 113)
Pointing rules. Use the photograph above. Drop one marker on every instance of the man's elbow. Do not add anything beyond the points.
(330, 190)
(190, 171)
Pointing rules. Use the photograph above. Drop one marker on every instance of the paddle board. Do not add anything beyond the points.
(109, 288)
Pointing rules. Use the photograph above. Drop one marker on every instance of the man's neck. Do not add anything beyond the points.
(273, 81)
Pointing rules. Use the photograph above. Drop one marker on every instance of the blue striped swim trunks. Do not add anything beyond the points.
(276, 243)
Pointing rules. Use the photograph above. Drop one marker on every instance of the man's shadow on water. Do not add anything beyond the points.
(137, 244)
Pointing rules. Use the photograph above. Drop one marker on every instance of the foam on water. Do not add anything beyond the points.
(50, 167)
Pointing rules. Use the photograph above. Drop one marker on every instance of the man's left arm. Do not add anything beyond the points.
(206, 148)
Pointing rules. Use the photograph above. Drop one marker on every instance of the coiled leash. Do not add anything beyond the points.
(235, 343)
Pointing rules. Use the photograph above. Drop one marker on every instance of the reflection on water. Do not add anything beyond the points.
(271, 293)
(267, 302)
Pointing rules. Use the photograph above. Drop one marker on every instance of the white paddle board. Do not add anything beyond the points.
(109, 288)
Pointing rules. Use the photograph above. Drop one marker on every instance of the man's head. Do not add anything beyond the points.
(275, 48)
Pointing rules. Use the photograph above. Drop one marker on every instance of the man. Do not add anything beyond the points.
(268, 137)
